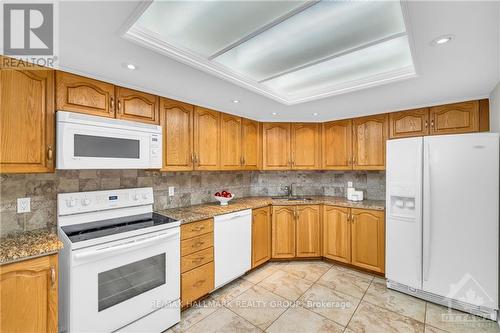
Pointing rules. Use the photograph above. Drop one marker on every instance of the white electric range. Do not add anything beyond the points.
(120, 265)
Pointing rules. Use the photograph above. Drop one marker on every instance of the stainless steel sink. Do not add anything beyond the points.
(292, 198)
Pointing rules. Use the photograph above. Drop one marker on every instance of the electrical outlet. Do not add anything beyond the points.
(171, 191)
(23, 205)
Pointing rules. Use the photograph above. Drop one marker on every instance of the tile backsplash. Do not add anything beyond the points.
(191, 188)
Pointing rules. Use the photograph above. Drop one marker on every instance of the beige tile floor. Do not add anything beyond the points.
(316, 296)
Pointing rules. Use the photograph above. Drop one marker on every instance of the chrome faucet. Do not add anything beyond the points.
(289, 190)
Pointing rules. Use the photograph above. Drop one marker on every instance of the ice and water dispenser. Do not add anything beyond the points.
(402, 201)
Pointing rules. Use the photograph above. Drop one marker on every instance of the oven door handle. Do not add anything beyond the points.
(131, 244)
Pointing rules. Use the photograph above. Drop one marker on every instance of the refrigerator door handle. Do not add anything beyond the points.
(427, 212)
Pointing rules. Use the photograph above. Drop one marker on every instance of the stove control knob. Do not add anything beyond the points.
(145, 196)
(85, 202)
(135, 197)
(71, 202)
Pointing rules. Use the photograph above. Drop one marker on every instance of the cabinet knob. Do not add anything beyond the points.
(112, 103)
(119, 106)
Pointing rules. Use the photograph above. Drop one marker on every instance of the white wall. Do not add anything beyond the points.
(495, 109)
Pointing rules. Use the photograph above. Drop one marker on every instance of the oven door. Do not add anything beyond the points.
(114, 284)
(82, 146)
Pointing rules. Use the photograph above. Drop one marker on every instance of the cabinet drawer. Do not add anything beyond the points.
(195, 244)
(197, 283)
(197, 259)
(197, 228)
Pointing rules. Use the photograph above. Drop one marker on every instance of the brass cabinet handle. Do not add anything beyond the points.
(243, 158)
(50, 152)
(119, 105)
(432, 123)
(52, 276)
(112, 103)
(198, 283)
(426, 123)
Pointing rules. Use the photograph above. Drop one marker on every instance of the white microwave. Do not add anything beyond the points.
(91, 142)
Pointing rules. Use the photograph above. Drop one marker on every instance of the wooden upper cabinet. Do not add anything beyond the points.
(251, 144)
(409, 123)
(177, 123)
(308, 231)
(455, 118)
(369, 138)
(261, 236)
(283, 232)
(368, 239)
(305, 146)
(206, 139)
(27, 121)
(137, 106)
(337, 145)
(230, 142)
(80, 94)
(28, 294)
(276, 146)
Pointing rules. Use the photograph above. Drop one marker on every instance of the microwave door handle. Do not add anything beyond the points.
(120, 247)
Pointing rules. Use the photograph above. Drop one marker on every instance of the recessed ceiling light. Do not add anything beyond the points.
(442, 40)
(235, 101)
(315, 114)
(131, 67)
(274, 113)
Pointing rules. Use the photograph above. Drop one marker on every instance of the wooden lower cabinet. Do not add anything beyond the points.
(336, 233)
(354, 236)
(28, 295)
(283, 232)
(261, 236)
(296, 231)
(197, 283)
(368, 239)
(308, 231)
(197, 260)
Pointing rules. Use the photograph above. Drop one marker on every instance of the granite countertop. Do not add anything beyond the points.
(206, 211)
(27, 245)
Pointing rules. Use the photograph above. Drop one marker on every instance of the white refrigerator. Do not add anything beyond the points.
(442, 231)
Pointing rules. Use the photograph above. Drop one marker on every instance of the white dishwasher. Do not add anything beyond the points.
(232, 236)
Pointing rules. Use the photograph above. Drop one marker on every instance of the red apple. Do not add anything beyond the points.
(217, 194)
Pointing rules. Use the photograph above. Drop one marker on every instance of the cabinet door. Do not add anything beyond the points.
(177, 123)
(197, 283)
(283, 232)
(137, 106)
(206, 139)
(305, 146)
(337, 145)
(370, 135)
(80, 94)
(455, 118)
(336, 233)
(368, 239)
(251, 144)
(27, 121)
(230, 142)
(308, 231)
(409, 123)
(276, 146)
(28, 294)
(261, 236)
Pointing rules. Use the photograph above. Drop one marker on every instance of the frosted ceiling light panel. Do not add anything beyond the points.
(323, 30)
(367, 66)
(206, 27)
(291, 51)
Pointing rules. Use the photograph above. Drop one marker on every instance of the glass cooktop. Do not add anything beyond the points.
(86, 231)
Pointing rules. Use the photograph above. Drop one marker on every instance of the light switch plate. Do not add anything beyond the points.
(171, 191)
(23, 205)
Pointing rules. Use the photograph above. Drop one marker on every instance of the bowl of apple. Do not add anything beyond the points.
(224, 197)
